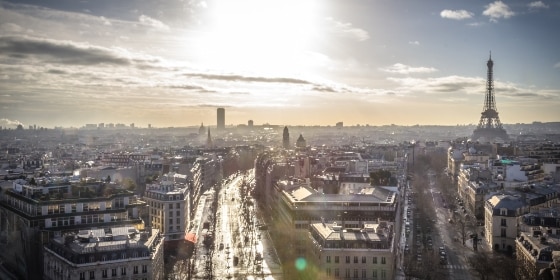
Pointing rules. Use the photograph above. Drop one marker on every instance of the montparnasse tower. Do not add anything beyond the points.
(489, 127)
(286, 138)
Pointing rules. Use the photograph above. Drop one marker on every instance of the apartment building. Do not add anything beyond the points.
(473, 185)
(297, 205)
(539, 238)
(169, 206)
(34, 213)
(500, 221)
(206, 171)
(105, 253)
(353, 253)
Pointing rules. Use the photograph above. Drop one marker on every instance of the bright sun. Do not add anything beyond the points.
(265, 36)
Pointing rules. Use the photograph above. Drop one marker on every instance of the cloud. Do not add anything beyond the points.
(449, 84)
(456, 14)
(241, 78)
(63, 52)
(400, 68)
(7, 123)
(11, 28)
(475, 24)
(346, 29)
(557, 65)
(324, 88)
(154, 23)
(56, 71)
(498, 10)
(537, 5)
(416, 43)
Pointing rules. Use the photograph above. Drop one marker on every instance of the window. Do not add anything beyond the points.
(383, 260)
(336, 272)
(113, 272)
(504, 223)
(328, 272)
(383, 274)
(364, 274)
(336, 260)
(328, 259)
(170, 213)
(123, 270)
(92, 274)
(374, 275)
(170, 221)
(178, 220)
(363, 259)
(374, 259)
(503, 232)
(347, 273)
(144, 268)
(347, 259)
(104, 273)
(355, 273)
(355, 259)
(170, 205)
(82, 276)
(135, 271)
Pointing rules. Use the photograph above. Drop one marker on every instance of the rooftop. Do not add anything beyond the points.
(107, 240)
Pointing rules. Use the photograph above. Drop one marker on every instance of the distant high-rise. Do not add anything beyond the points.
(489, 127)
(250, 124)
(286, 138)
(221, 119)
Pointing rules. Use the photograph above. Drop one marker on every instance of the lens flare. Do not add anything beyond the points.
(301, 263)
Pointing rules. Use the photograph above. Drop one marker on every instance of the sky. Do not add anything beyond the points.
(171, 63)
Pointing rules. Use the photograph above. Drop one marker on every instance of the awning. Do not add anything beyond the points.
(190, 237)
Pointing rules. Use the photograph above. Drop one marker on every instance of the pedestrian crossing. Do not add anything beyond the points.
(455, 267)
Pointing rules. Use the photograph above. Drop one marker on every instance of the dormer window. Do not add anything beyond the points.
(503, 212)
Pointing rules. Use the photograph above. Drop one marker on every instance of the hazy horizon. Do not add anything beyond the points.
(67, 63)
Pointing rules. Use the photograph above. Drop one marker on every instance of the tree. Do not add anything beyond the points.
(481, 263)
(465, 224)
(130, 185)
(32, 182)
(108, 179)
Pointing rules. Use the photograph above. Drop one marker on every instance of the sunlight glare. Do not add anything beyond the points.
(270, 36)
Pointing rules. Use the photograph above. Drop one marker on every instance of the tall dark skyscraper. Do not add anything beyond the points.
(286, 138)
(221, 125)
(489, 127)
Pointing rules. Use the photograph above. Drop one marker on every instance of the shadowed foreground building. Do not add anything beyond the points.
(33, 214)
(111, 253)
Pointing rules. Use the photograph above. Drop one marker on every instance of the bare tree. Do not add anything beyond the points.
(492, 266)
(480, 263)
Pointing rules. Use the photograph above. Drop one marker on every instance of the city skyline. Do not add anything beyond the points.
(68, 63)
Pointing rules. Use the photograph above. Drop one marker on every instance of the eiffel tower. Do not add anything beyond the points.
(489, 127)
